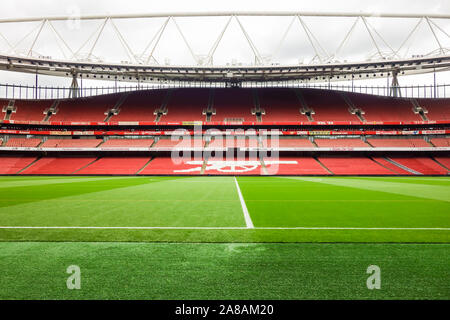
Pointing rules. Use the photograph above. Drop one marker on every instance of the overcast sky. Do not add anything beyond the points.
(266, 33)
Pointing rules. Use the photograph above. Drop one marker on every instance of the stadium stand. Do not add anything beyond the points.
(423, 165)
(115, 165)
(179, 143)
(23, 142)
(280, 105)
(127, 143)
(141, 106)
(444, 161)
(399, 143)
(233, 105)
(53, 165)
(438, 109)
(341, 143)
(384, 108)
(440, 142)
(13, 165)
(30, 110)
(187, 105)
(294, 166)
(346, 165)
(166, 166)
(287, 143)
(391, 166)
(71, 143)
(85, 109)
(327, 105)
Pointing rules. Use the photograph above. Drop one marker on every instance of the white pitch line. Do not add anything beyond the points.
(248, 220)
(228, 228)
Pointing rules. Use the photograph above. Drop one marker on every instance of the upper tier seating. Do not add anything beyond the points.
(327, 105)
(399, 143)
(280, 105)
(346, 165)
(29, 110)
(140, 106)
(441, 142)
(23, 142)
(115, 165)
(384, 108)
(421, 164)
(85, 109)
(438, 109)
(187, 105)
(233, 105)
(12, 165)
(127, 143)
(71, 143)
(52, 165)
(341, 143)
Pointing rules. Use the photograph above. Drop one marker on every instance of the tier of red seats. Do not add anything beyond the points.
(445, 161)
(115, 165)
(438, 109)
(23, 142)
(341, 143)
(140, 106)
(441, 142)
(384, 108)
(53, 165)
(233, 166)
(187, 105)
(294, 166)
(399, 143)
(287, 143)
(173, 166)
(127, 143)
(422, 165)
(280, 105)
(71, 143)
(233, 104)
(389, 165)
(179, 142)
(29, 110)
(346, 165)
(85, 109)
(327, 105)
(12, 165)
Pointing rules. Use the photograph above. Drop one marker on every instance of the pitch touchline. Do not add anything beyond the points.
(226, 228)
(248, 220)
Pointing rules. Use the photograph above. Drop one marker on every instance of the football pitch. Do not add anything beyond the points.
(224, 237)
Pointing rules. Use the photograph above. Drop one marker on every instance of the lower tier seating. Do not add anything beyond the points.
(51, 165)
(353, 166)
(169, 166)
(294, 166)
(127, 143)
(12, 165)
(422, 165)
(445, 161)
(116, 165)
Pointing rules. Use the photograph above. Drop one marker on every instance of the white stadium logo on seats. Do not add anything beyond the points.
(230, 166)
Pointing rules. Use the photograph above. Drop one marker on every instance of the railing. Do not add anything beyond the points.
(12, 91)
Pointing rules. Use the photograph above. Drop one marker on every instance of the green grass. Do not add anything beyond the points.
(224, 259)
(213, 202)
(223, 271)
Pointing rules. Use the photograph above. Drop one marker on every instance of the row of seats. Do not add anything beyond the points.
(274, 104)
(229, 142)
(323, 165)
